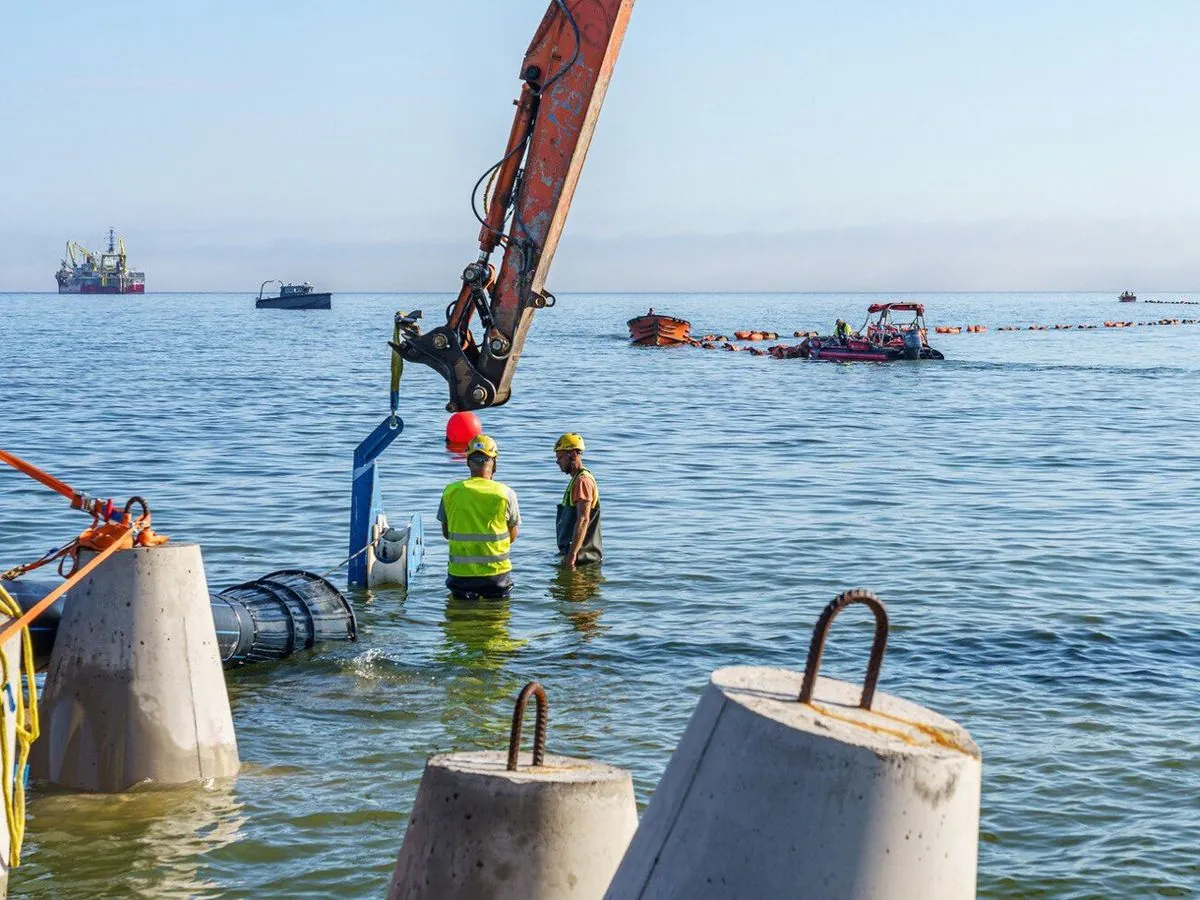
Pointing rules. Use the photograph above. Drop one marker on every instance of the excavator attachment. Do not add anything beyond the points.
(565, 75)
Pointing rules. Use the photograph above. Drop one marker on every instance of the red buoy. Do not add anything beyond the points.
(461, 427)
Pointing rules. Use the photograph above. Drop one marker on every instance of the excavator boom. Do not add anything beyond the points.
(565, 73)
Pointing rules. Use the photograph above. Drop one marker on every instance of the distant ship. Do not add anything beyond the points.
(85, 272)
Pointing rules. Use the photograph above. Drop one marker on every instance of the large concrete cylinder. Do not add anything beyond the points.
(484, 827)
(135, 691)
(766, 796)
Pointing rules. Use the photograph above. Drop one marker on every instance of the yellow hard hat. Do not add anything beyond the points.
(483, 444)
(569, 441)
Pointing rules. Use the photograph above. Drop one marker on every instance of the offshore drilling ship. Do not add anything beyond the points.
(85, 272)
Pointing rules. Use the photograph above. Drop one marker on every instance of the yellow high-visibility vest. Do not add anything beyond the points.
(477, 522)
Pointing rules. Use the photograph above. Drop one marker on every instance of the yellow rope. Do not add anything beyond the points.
(12, 777)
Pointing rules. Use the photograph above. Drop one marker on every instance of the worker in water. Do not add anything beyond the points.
(841, 330)
(578, 516)
(480, 518)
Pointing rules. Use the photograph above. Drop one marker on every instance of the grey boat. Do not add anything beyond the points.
(292, 296)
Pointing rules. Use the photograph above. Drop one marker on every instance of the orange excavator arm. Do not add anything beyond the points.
(528, 194)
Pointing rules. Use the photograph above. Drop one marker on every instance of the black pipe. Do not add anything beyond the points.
(265, 619)
(44, 628)
(278, 614)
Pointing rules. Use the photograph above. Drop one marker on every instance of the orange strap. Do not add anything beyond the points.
(37, 474)
(38, 608)
(110, 534)
(25, 568)
(106, 538)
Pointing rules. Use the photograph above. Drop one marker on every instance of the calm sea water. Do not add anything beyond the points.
(1028, 510)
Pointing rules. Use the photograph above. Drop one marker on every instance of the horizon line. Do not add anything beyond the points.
(250, 292)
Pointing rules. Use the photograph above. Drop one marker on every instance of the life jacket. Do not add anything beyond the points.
(566, 515)
(477, 522)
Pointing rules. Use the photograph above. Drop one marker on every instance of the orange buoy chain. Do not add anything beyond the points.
(1111, 323)
(959, 329)
(791, 351)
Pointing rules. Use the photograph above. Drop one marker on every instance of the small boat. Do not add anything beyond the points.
(292, 296)
(879, 340)
(655, 330)
(1127, 297)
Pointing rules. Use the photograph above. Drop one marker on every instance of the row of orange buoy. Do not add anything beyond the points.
(779, 351)
(1111, 323)
(1144, 324)
(1045, 327)
(756, 335)
(709, 345)
(959, 329)
(788, 351)
(750, 336)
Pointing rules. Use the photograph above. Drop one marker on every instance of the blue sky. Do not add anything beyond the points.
(769, 145)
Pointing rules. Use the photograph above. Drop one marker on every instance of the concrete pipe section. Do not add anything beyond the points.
(850, 794)
(486, 825)
(135, 691)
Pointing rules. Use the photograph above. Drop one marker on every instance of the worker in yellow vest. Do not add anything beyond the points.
(480, 518)
(577, 520)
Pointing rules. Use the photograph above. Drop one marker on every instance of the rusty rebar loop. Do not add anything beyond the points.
(539, 728)
(821, 631)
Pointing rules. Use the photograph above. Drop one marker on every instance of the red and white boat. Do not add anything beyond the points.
(85, 272)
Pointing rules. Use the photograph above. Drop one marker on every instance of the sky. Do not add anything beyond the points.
(786, 146)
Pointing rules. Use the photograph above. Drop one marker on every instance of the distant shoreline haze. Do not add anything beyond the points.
(1140, 255)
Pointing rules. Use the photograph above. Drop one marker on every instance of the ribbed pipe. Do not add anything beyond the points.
(257, 621)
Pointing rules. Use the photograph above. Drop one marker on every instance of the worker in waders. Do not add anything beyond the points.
(578, 516)
(480, 518)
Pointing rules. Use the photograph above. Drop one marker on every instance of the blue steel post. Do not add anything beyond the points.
(365, 500)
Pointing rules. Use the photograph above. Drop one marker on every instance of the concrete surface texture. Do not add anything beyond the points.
(134, 690)
(768, 797)
(540, 833)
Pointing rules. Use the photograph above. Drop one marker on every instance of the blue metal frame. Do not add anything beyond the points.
(365, 499)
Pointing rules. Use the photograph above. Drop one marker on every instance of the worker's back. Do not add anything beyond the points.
(477, 517)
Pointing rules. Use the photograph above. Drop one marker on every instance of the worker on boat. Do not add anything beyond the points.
(841, 330)
(480, 518)
(577, 519)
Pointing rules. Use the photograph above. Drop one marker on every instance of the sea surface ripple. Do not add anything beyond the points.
(1028, 510)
